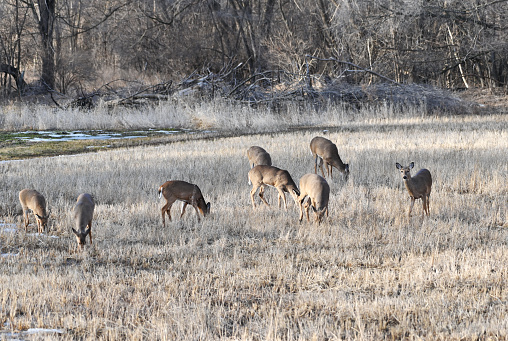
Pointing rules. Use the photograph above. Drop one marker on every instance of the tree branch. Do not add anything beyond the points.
(331, 59)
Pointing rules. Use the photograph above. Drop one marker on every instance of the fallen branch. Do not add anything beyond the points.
(331, 59)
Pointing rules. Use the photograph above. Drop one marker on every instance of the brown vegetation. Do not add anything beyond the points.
(366, 272)
(236, 47)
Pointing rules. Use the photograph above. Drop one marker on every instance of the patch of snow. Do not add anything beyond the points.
(42, 330)
(5, 255)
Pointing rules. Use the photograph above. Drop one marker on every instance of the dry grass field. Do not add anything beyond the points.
(367, 272)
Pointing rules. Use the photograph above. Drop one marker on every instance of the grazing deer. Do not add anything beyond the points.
(418, 186)
(317, 191)
(263, 175)
(325, 151)
(30, 199)
(83, 214)
(183, 191)
(258, 156)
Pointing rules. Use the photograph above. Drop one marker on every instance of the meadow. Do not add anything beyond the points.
(366, 272)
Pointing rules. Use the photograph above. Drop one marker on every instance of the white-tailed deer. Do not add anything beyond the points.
(317, 191)
(83, 214)
(325, 151)
(263, 175)
(30, 199)
(258, 156)
(418, 186)
(190, 194)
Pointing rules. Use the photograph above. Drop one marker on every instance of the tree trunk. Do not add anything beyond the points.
(44, 12)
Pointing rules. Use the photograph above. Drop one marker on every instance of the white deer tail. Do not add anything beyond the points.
(160, 193)
(250, 182)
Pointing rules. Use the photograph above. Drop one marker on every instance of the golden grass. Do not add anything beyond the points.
(367, 272)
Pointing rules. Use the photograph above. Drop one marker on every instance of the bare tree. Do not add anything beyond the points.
(44, 14)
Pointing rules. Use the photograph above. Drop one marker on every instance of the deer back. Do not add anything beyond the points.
(31, 199)
(258, 156)
(186, 192)
(328, 151)
(264, 174)
(83, 211)
(317, 145)
(317, 188)
(273, 176)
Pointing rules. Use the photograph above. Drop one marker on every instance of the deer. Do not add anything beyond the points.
(83, 214)
(326, 152)
(30, 199)
(189, 193)
(264, 175)
(418, 186)
(258, 156)
(316, 190)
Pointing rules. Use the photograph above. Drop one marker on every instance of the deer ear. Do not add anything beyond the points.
(74, 231)
(208, 207)
(411, 165)
(398, 165)
(87, 231)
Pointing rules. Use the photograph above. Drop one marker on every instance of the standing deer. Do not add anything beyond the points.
(258, 156)
(263, 175)
(418, 186)
(183, 191)
(325, 151)
(30, 199)
(317, 191)
(83, 214)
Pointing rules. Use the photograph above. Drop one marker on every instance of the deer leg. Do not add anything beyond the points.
(307, 206)
(166, 209)
(300, 201)
(411, 206)
(252, 193)
(295, 197)
(90, 232)
(315, 164)
(283, 196)
(163, 211)
(25, 220)
(195, 205)
(428, 205)
(40, 226)
(183, 209)
(424, 206)
(261, 195)
(321, 161)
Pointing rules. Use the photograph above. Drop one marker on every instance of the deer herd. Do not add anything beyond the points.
(314, 190)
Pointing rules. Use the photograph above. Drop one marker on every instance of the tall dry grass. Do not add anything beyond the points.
(367, 272)
(217, 114)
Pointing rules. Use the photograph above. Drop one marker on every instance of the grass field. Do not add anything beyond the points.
(366, 272)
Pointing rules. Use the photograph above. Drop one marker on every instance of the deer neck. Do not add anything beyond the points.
(409, 185)
(337, 163)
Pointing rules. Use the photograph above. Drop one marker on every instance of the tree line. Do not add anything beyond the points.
(77, 45)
